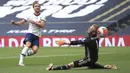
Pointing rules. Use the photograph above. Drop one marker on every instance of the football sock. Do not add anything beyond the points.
(96, 66)
(30, 52)
(23, 54)
(65, 67)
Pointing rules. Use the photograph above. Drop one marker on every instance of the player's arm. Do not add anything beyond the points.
(40, 23)
(62, 42)
(18, 23)
(83, 41)
(76, 42)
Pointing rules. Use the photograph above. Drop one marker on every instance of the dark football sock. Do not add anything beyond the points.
(64, 67)
(96, 66)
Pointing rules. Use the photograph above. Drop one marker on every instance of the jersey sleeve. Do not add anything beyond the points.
(43, 18)
(83, 41)
(26, 18)
(77, 42)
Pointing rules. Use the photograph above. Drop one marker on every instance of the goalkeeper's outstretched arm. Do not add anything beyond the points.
(76, 42)
(83, 41)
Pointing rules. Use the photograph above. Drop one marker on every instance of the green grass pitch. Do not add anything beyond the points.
(119, 56)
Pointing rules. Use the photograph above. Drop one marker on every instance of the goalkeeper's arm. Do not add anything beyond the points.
(83, 41)
(76, 42)
(62, 42)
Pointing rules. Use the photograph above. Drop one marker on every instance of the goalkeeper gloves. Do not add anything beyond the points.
(61, 42)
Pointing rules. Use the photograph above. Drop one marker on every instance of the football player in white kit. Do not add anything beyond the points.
(36, 23)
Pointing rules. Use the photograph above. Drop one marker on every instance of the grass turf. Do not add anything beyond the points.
(9, 57)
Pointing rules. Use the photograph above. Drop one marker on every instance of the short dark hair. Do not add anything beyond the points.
(36, 2)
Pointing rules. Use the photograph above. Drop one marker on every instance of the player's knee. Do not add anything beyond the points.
(28, 44)
(35, 49)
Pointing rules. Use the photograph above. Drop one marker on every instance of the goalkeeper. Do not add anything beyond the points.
(91, 44)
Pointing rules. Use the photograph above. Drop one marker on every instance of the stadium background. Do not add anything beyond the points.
(68, 20)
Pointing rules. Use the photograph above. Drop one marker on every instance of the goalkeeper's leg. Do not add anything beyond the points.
(81, 63)
(98, 66)
(74, 64)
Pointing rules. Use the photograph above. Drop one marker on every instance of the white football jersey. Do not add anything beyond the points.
(33, 28)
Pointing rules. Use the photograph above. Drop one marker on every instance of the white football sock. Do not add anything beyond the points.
(23, 54)
(30, 52)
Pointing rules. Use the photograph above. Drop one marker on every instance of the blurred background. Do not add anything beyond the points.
(68, 20)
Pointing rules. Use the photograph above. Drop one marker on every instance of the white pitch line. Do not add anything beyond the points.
(45, 56)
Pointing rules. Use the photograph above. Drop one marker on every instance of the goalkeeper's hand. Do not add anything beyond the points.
(61, 42)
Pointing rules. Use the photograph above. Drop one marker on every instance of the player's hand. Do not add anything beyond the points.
(12, 22)
(60, 42)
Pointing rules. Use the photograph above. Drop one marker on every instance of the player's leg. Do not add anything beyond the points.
(64, 67)
(99, 66)
(95, 66)
(35, 46)
(32, 51)
(27, 43)
(23, 53)
(74, 64)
